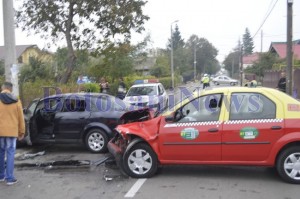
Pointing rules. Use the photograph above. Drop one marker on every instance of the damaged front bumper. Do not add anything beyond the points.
(117, 146)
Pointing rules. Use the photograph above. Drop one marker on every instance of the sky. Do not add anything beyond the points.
(221, 22)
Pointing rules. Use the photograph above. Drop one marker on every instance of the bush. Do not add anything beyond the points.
(41, 88)
(91, 87)
(167, 81)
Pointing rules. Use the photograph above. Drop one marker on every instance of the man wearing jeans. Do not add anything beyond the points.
(12, 126)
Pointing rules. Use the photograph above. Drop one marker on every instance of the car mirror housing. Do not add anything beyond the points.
(169, 118)
(25, 111)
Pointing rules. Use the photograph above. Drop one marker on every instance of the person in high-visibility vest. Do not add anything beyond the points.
(205, 81)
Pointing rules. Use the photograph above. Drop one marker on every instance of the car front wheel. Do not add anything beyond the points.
(288, 165)
(96, 141)
(140, 161)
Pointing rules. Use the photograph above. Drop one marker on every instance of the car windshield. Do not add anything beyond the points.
(145, 90)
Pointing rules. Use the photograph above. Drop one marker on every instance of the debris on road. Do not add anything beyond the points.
(30, 155)
(104, 160)
(110, 177)
(107, 178)
(57, 164)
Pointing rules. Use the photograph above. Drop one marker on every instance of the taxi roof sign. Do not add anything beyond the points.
(145, 81)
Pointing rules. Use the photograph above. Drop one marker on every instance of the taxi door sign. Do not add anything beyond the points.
(293, 107)
(249, 133)
(189, 133)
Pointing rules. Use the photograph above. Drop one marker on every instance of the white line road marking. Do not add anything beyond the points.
(135, 188)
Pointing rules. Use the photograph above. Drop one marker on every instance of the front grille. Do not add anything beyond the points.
(139, 104)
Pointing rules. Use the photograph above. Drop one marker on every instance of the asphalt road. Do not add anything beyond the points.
(106, 181)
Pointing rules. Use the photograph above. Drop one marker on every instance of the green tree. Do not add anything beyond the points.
(180, 53)
(36, 69)
(248, 45)
(178, 42)
(206, 54)
(117, 59)
(81, 64)
(2, 71)
(82, 23)
(113, 61)
(162, 64)
(265, 62)
(232, 62)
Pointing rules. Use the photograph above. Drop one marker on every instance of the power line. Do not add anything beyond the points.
(265, 18)
(270, 5)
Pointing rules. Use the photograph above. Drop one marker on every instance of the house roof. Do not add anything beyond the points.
(250, 59)
(280, 49)
(19, 50)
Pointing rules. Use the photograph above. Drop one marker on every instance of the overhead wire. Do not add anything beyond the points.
(268, 14)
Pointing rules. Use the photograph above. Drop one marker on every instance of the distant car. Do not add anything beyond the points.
(224, 80)
(74, 118)
(221, 126)
(147, 93)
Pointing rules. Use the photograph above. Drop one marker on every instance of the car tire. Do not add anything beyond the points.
(288, 163)
(232, 84)
(140, 161)
(216, 83)
(96, 141)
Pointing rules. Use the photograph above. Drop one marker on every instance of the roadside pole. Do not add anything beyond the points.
(289, 50)
(11, 67)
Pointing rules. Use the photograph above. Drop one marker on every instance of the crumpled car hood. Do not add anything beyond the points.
(137, 115)
(147, 129)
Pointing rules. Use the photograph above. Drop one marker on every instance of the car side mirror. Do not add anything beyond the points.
(169, 118)
(25, 111)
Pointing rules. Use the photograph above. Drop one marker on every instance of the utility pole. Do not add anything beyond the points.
(9, 38)
(289, 50)
(261, 41)
(172, 61)
(232, 67)
(195, 62)
(241, 64)
(10, 44)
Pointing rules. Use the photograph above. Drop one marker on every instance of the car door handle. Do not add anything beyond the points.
(276, 127)
(213, 130)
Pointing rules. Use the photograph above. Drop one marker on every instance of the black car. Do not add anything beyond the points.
(87, 118)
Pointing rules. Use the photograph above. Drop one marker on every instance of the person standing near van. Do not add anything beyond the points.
(12, 126)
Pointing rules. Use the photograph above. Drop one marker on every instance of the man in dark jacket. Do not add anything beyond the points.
(121, 89)
(12, 126)
(282, 83)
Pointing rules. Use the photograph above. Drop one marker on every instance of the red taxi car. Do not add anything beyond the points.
(222, 126)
